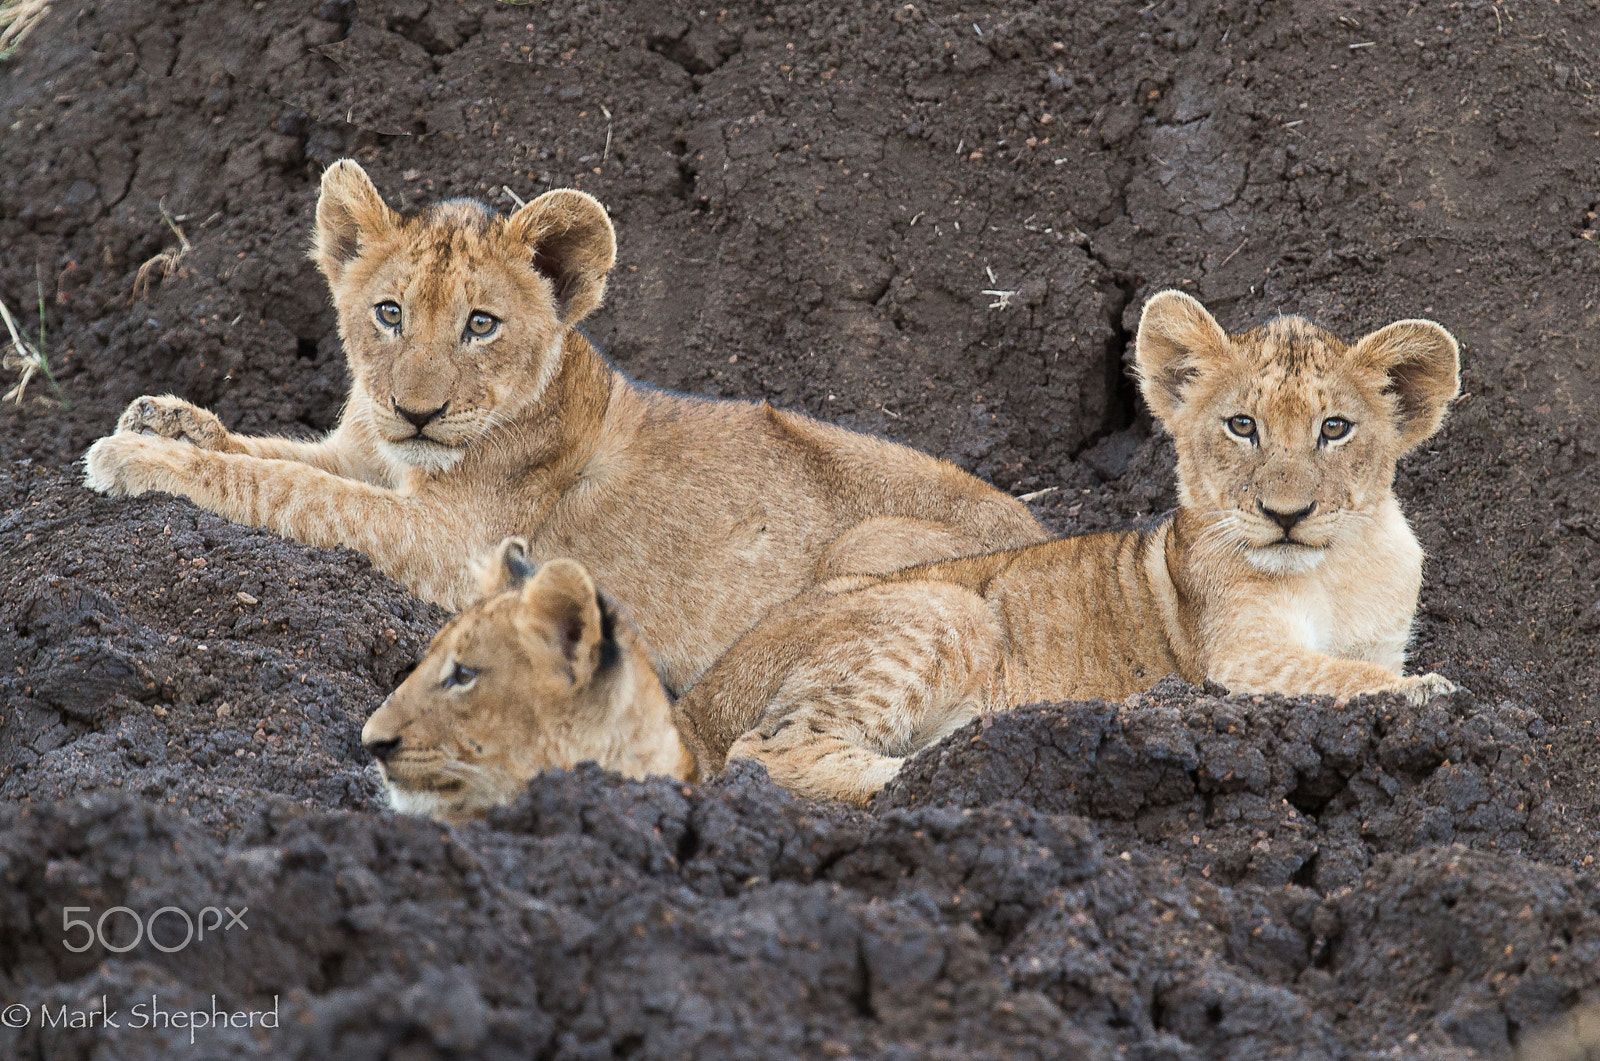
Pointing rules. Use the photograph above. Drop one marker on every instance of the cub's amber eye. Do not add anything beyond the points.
(388, 314)
(459, 677)
(481, 324)
(1242, 426)
(1335, 427)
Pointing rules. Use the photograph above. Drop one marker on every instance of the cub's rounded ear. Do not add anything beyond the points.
(350, 213)
(573, 246)
(560, 604)
(506, 567)
(1423, 364)
(1177, 340)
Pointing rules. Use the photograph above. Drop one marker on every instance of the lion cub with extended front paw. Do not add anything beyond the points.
(477, 410)
(1288, 567)
(541, 672)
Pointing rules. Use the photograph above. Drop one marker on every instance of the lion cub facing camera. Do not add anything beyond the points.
(541, 672)
(1288, 567)
(477, 410)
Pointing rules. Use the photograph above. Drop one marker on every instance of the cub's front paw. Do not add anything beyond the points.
(171, 417)
(1420, 688)
(126, 465)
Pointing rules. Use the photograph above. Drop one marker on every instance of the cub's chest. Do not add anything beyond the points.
(1367, 622)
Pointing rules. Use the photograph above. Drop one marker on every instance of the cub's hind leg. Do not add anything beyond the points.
(889, 543)
(885, 671)
(816, 764)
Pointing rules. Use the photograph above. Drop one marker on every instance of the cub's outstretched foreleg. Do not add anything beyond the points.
(343, 452)
(1271, 667)
(409, 536)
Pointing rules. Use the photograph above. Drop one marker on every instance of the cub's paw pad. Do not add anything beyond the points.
(175, 418)
(1420, 688)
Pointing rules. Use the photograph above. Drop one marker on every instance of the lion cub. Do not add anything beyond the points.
(540, 673)
(477, 410)
(1288, 567)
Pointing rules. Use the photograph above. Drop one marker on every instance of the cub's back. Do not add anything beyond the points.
(712, 512)
(871, 476)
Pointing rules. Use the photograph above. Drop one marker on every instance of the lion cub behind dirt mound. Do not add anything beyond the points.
(1288, 567)
(541, 672)
(477, 410)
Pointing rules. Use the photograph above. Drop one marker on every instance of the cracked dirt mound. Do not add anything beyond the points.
(930, 220)
(1268, 790)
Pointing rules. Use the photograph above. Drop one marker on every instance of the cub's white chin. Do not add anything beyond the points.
(423, 804)
(1284, 559)
(453, 806)
(424, 455)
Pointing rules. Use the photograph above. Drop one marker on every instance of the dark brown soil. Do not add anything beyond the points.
(814, 202)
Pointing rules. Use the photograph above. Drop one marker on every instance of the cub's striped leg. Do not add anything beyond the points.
(881, 673)
(425, 544)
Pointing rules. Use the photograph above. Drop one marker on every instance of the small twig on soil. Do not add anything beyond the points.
(1002, 299)
(27, 358)
(167, 261)
(1035, 495)
(1363, 44)
(514, 196)
(1236, 250)
(17, 19)
(606, 154)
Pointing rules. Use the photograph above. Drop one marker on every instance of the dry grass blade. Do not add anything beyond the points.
(166, 263)
(25, 358)
(17, 19)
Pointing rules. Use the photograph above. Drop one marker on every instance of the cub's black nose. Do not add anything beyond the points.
(419, 420)
(1286, 520)
(382, 749)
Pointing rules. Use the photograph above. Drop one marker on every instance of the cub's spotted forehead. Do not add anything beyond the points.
(444, 252)
(466, 214)
(481, 621)
(1292, 346)
(468, 625)
(454, 229)
(1295, 369)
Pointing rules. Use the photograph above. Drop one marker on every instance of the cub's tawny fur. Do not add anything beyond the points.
(1288, 567)
(478, 411)
(542, 672)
